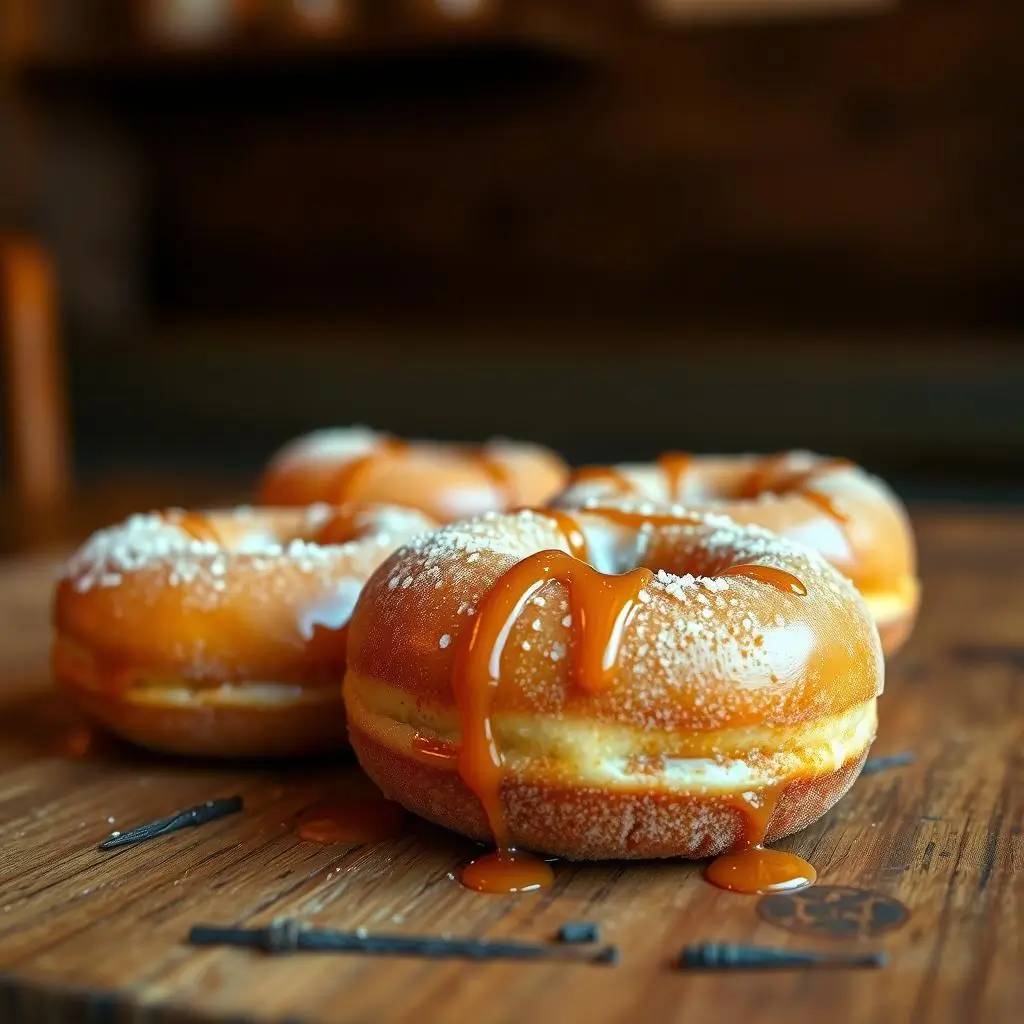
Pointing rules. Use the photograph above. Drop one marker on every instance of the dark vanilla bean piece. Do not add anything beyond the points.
(717, 956)
(578, 932)
(289, 936)
(882, 764)
(199, 815)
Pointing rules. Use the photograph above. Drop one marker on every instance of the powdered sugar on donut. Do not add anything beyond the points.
(329, 445)
(702, 649)
(259, 549)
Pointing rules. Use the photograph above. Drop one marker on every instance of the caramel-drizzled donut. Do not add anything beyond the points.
(687, 687)
(851, 517)
(446, 481)
(220, 633)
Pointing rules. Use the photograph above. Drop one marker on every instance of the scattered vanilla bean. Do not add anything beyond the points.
(199, 815)
(731, 957)
(579, 932)
(290, 936)
(881, 764)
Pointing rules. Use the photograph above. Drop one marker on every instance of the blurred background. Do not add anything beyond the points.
(612, 226)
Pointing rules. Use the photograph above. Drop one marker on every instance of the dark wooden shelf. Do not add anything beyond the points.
(399, 28)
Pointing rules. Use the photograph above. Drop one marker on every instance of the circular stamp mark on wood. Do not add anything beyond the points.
(834, 912)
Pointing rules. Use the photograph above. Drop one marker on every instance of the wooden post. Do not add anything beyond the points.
(36, 443)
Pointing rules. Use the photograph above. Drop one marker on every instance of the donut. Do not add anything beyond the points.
(617, 683)
(446, 481)
(851, 517)
(220, 633)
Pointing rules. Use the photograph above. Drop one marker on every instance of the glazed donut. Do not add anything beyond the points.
(446, 481)
(718, 692)
(852, 518)
(221, 633)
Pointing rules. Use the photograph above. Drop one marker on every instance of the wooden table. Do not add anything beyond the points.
(100, 937)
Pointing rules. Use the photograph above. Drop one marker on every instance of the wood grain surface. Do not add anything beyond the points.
(91, 936)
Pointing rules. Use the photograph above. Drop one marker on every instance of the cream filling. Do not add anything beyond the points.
(241, 695)
(75, 666)
(587, 753)
(887, 605)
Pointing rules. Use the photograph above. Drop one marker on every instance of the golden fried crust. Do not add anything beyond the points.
(446, 481)
(195, 726)
(202, 606)
(702, 653)
(597, 823)
(728, 689)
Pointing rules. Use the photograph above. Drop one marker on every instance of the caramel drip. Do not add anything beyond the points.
(507, 871)
(602, 474)
(628, 517)
(756, 481)
(602, 607)
(825, 503)
(350, 478)
(575, 538)
(753, 869)
(368, 820)
(799, 482)
(570, 529)
(430, 750)
(674, 466)
(342, 527)
(195, 524)
(777, 578)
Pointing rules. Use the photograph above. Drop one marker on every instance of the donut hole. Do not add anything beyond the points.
(270, 532)
(615, 549)
(757, 479)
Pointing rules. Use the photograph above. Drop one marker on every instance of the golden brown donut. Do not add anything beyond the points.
(446, 481)
(719, 692)
(221, 633)
(851, 517)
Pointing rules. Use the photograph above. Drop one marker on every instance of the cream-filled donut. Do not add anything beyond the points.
(446, 481)
(853, 518)
(612, 684)
(220, 633)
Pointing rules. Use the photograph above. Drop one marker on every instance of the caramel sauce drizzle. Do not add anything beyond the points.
(602, 607)
(825, 503)
(342, 527)
(799, 482)
(602, 474)
(629, 517)
(194, 524)
(674, 466)
(351, 476)
(752, 868)
(570, 529)
(365, 820)
(777, 578)
(350, 479)
(431, 750)
(756, 482)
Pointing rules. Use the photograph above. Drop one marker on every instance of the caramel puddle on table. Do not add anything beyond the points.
(754, 869)
(361, 817)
